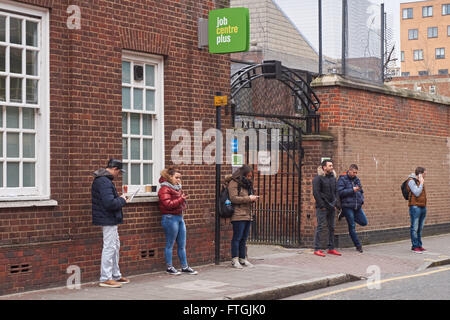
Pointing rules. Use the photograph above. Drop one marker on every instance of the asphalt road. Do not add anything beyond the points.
(431, 284)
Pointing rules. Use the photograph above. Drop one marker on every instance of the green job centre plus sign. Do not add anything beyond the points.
(228, 30)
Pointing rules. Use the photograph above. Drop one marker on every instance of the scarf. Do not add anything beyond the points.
(168, 184)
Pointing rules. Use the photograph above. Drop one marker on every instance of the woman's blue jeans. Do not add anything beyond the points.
(417, 215)
(175, 230)
(241, 230)
(354, 216)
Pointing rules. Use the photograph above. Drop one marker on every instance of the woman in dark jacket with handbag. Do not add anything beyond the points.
(240, 189)
(172, 202)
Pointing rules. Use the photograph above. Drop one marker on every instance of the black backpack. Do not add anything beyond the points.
(404, 188)
(226, 208)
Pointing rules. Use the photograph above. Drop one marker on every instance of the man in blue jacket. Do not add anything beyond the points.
(107, 213)
(352, 198)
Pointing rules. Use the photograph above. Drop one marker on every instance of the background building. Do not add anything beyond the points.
(273, 36)
(425, 38)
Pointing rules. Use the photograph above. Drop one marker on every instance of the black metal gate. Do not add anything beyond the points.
(282, 111)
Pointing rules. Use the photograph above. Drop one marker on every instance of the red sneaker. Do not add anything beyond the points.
(334, 252)
(319, 253)
(422, 249)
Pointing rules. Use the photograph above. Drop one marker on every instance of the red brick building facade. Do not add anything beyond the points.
(436, 84)
(117, 79)
(86, 50)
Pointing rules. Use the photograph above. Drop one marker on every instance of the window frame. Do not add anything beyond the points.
(445, 9)
(41, 189)
(407, 10)
(434, 35)
(157, 115)
(427, 8)
(414, 33)
(443, 72)
(402, 56)
(439, 56)
(420, 58)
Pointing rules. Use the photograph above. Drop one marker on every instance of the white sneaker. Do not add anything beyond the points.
(235, 263)
(246, 263)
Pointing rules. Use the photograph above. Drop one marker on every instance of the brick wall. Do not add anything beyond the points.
(388, 134)
(85, 130)
(441, 83)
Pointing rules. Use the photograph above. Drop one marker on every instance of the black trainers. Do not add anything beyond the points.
(359, 248)
(188, 270)
(173, 271)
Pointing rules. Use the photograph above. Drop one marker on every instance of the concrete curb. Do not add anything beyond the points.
(432, 264)
(280, 292)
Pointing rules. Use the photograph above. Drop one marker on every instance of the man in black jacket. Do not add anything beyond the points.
(325, 194)
(107, 213)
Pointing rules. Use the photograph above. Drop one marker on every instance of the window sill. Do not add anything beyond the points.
(145, 199)
(32, 203)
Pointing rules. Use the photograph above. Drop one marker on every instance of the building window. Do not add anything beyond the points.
(423, 73)
(24, 132)
(413, 34)
(432, 32)
(432, 89)
(142, 119)
(418, 55)
(440, 53)
(446, 9)
(407, 13)
(405, 74)
(443, 71)
(402, 56)
(448, 31)
(427, 11)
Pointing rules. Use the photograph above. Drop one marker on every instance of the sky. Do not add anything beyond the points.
(303, 13)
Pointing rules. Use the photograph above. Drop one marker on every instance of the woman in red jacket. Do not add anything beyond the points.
(172, 202)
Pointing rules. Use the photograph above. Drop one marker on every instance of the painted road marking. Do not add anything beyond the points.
(376, 282)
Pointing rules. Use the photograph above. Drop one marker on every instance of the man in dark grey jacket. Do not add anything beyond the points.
(107, 213)
(325, 194)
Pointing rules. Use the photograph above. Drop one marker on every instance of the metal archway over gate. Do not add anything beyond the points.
(280, 107)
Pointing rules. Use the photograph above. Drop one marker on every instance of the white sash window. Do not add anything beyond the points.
(142, 120)
(24, 100)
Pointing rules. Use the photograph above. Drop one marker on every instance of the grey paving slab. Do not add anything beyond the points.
(275, 267)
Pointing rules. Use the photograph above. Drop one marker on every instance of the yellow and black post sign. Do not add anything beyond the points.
(220, 100)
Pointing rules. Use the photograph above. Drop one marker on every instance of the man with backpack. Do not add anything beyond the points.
(417, 202)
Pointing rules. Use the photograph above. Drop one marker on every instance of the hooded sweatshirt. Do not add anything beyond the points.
(106, 203)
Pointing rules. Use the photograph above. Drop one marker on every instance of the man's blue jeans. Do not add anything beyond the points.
(417, 215)
(175, 230)
(241, 230)
(354, 216)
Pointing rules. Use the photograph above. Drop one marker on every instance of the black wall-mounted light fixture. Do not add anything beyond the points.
(138, 73)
